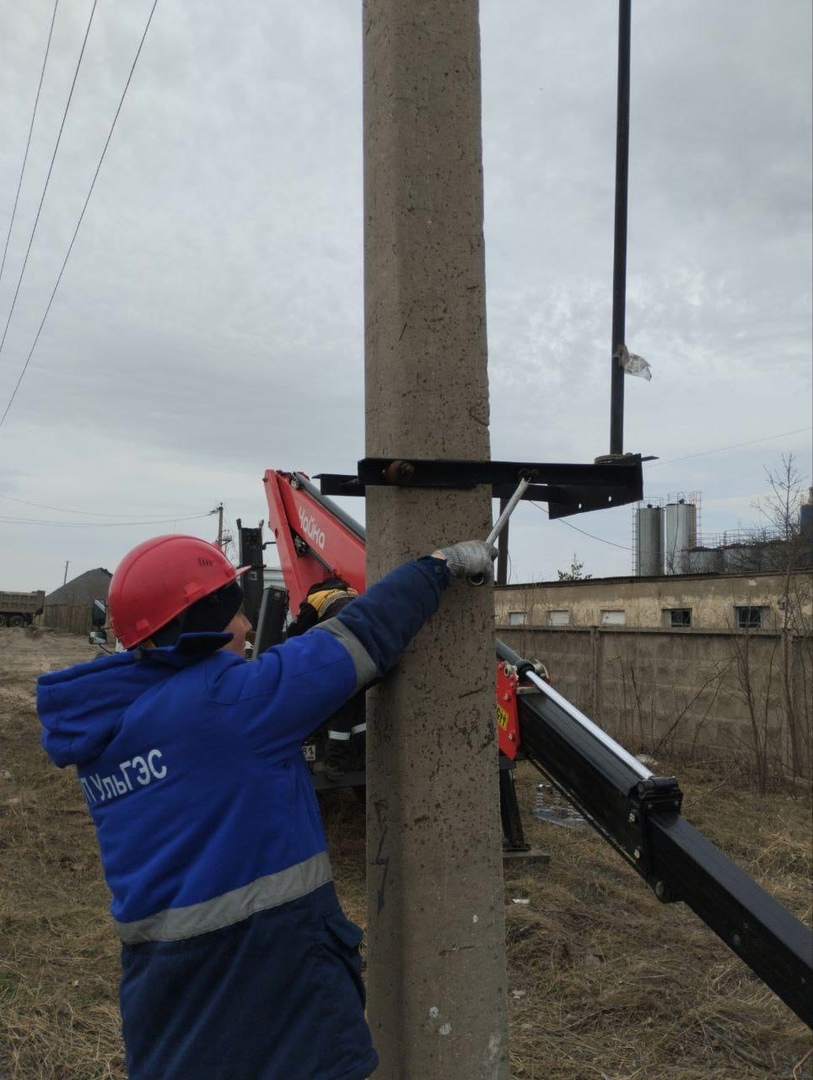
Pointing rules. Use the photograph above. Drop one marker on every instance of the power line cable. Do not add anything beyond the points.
(733, 446)
(66, 510)
(28, 143)
(99, 524)
(570, 525)
(48, 177)
(81, 216)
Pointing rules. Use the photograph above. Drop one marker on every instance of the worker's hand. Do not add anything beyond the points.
(469, 558)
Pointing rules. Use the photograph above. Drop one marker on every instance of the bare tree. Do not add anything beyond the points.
(786, 548)
(754, 686)
(787, 545)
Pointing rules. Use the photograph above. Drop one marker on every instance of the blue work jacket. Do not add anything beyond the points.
(237, 960)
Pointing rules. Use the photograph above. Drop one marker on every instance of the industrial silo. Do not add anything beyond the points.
(679, 530)
(806, 517)
(806, 532)
(648, 545)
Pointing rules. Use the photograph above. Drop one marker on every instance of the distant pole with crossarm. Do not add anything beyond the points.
(436, 934)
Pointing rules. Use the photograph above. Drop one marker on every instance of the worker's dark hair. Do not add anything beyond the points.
(210, 614)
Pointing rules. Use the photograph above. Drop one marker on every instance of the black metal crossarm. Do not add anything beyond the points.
(567, 488)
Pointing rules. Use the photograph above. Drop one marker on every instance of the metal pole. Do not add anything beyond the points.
(436, 967)
(620, 249)
(501, 577)
(507, 507)
(507, 510)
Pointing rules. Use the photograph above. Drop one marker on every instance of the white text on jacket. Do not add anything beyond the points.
(141, 769)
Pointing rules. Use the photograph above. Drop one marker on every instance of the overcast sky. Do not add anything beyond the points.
(209, 323)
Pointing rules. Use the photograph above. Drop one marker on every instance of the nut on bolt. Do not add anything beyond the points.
(398, 472)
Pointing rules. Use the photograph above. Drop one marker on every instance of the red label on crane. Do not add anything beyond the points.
(507, 715)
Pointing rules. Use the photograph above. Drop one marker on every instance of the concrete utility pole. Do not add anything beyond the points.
(436, 969)
(219, 511)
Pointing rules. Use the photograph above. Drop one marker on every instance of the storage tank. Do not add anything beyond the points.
(740, 559)
(701, 560)
(806, 517)
(648, 549)
(806, 531)
(679, 535)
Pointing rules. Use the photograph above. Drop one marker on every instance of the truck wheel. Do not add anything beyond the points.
(17, 620)
(2, 620)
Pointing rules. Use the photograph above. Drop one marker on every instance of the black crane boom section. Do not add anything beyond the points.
(639, 814)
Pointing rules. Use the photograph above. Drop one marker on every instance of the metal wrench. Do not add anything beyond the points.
(499, 524)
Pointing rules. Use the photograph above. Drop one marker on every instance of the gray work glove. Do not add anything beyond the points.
(470, 558)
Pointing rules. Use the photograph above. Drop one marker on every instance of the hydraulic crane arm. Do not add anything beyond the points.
(315, 538)
(639, 814)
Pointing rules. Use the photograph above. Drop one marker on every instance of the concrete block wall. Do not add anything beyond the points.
(706, 693)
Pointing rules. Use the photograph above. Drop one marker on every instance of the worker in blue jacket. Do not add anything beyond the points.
(237, 960)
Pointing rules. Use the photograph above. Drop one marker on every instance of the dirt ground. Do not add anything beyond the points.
(604, 983)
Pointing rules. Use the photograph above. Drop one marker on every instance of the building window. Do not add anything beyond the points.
(681, 616)
(559, 618)
(517, 618)
(750, 618)
(613, 618)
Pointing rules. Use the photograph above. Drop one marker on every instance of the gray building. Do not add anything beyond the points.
(69, 606)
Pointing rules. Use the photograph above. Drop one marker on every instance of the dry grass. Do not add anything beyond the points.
(605, 983)
(58, 958)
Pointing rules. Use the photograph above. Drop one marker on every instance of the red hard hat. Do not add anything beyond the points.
(159, 579)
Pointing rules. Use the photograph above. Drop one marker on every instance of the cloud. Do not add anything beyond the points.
(210, 321)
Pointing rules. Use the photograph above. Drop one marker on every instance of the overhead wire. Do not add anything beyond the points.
(67, 510)
(733, 446)
(99, 524)
(81, 216)
(28, 142)
(48, 177)
(584, 532)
